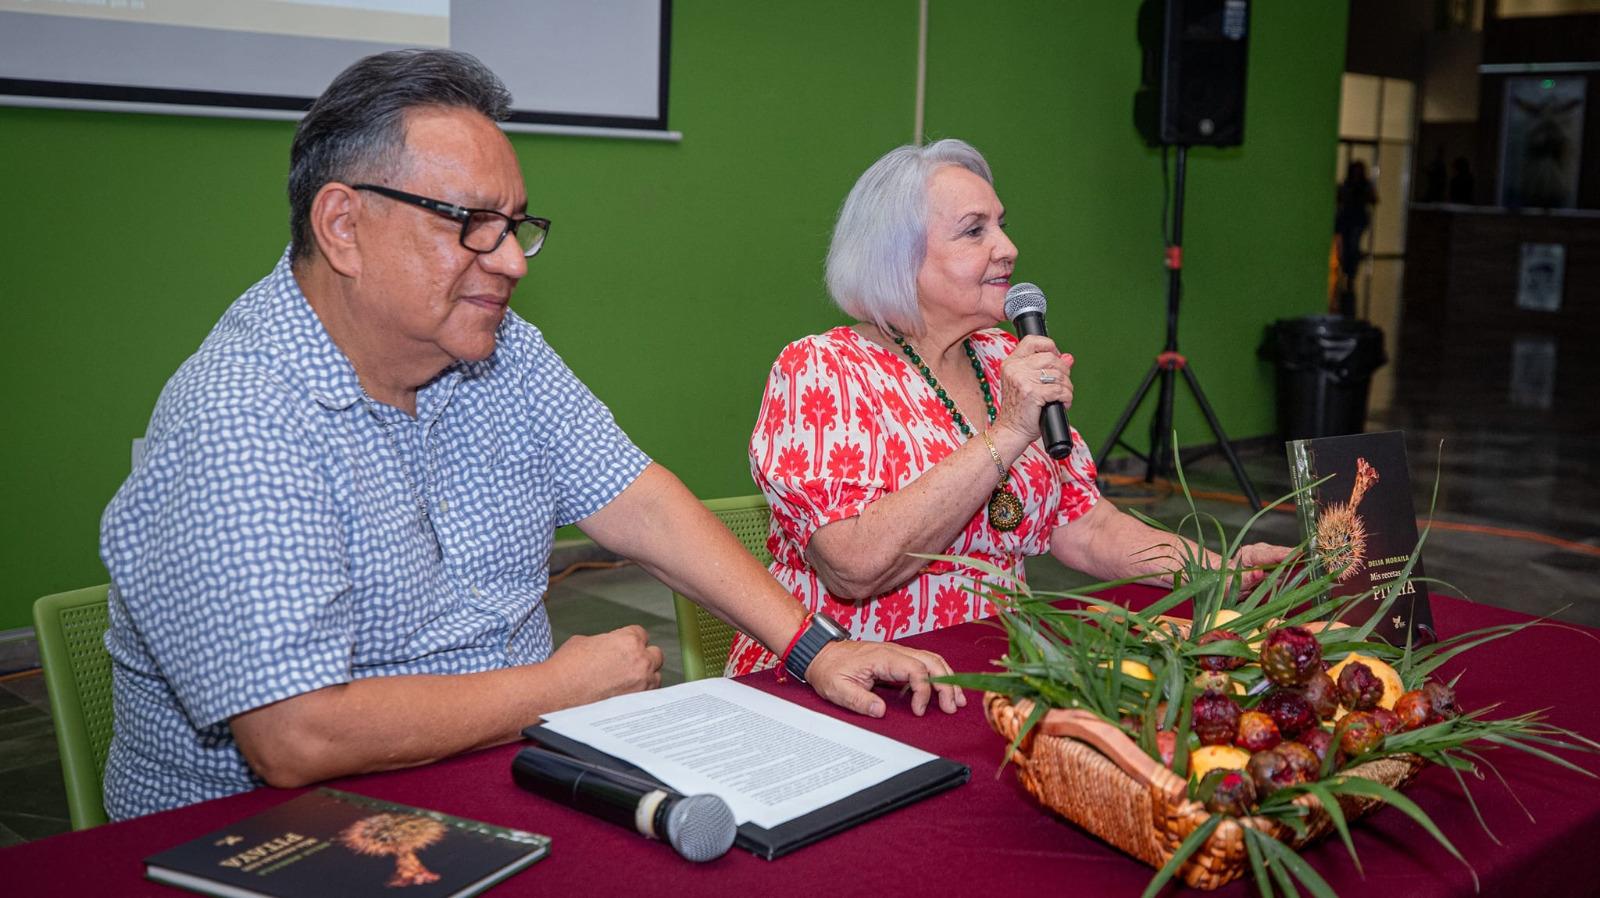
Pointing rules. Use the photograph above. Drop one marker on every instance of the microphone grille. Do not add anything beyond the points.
(700, 827)
(1023, 298)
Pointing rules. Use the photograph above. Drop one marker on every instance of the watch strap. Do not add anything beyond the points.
(817, 632)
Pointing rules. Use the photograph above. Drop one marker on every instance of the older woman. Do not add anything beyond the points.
(917, 428)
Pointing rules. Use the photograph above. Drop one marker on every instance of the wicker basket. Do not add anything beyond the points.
(1091, 773)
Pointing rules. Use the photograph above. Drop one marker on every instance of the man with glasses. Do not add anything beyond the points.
(333, 556)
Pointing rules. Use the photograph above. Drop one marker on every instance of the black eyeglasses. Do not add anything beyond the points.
(482, 230)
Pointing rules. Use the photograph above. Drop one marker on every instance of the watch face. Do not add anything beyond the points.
(830, 626)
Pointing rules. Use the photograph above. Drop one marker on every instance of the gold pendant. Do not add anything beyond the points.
(1005, 509)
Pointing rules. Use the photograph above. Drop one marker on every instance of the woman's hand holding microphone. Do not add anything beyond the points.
(1035, 374)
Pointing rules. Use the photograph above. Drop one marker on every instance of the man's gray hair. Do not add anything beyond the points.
(357, 131)
(881, 236)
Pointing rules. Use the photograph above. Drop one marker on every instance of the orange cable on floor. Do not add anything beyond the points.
(577, 566)
(1529, 535)
(1533, 536)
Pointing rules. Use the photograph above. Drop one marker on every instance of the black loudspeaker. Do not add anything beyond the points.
(1194, 68)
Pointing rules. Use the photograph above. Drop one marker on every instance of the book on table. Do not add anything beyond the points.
(333, 843)
(1362, 524)
(791, 776)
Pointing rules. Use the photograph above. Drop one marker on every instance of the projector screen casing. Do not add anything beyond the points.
(573, 64)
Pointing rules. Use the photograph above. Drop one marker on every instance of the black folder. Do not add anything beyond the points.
(915, 784)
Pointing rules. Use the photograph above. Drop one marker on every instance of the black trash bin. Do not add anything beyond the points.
(1325, 365)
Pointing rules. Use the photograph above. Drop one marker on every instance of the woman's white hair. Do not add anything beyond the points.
(881, 236)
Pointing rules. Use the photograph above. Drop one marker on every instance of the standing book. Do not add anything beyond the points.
(335, 843)
(1362, 525)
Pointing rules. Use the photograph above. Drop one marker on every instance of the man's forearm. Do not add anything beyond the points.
(383, 723)
(658, 523)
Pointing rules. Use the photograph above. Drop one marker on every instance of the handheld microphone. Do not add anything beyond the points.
(698, 827)
(1025, 307)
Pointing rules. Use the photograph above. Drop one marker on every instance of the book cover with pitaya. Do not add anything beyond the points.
(329, 842)
(1362, 524)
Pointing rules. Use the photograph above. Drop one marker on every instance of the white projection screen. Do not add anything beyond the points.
(572, 65)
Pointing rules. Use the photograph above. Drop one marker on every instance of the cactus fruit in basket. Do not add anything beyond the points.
(1219, 662)
(1257, 731)
(1359, 688)
(1215, 719)
(1215, 681)
(1442, 700)
(1273, 770)
(1388, 721)
(1227, 791)
(1305, 762)
(1291, 655)
(1320, 742)
(1393, 686)
(1413, 709)
(1243, 670)
(1290, 711)
(1322, 694)
(1359, 733)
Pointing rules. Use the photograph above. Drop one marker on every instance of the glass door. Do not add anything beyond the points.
(1377, 127)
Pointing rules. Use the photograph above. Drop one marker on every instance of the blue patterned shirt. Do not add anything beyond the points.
(273, 540)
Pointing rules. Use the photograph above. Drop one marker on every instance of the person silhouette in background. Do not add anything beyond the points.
(1461, 186)
(1435, 179)
(1356, 198)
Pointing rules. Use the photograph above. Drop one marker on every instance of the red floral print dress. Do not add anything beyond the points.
(845, 421)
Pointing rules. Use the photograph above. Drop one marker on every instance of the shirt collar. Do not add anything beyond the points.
(298, 334)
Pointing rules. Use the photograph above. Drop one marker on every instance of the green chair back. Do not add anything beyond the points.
(703, 639)
(71, 628)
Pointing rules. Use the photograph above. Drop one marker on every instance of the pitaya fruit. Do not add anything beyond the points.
(1290, 711)
(1413, 709)
(1257, 732)
(1271, 772)
(1215, 719)
(1302, 759)
(1227, 792)
(1219, 662)
(1388, 721)
(1320, 741)
(1359, 688)
(1290, 656)
(1322, 694)
(1213, 681)
(1359, 733)
(1443, 701)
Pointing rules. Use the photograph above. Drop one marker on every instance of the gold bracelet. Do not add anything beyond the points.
(994, 454)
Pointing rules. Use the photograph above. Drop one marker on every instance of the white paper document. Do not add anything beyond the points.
(769, 759)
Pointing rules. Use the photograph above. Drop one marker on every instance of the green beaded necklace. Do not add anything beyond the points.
(1005, 509)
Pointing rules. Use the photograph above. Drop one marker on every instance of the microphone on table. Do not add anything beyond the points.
(1025, 307)
(698, 827)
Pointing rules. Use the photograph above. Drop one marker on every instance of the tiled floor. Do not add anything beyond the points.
(594, 601)
(1506, 462)
(33, 803)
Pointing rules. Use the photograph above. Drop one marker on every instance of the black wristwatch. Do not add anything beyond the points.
(821, 631)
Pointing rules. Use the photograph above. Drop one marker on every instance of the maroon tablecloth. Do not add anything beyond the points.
(986, 836)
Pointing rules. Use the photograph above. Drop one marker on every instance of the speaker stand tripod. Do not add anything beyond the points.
(1168, 363)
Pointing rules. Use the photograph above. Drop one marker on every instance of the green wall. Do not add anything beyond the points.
(675, 272)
